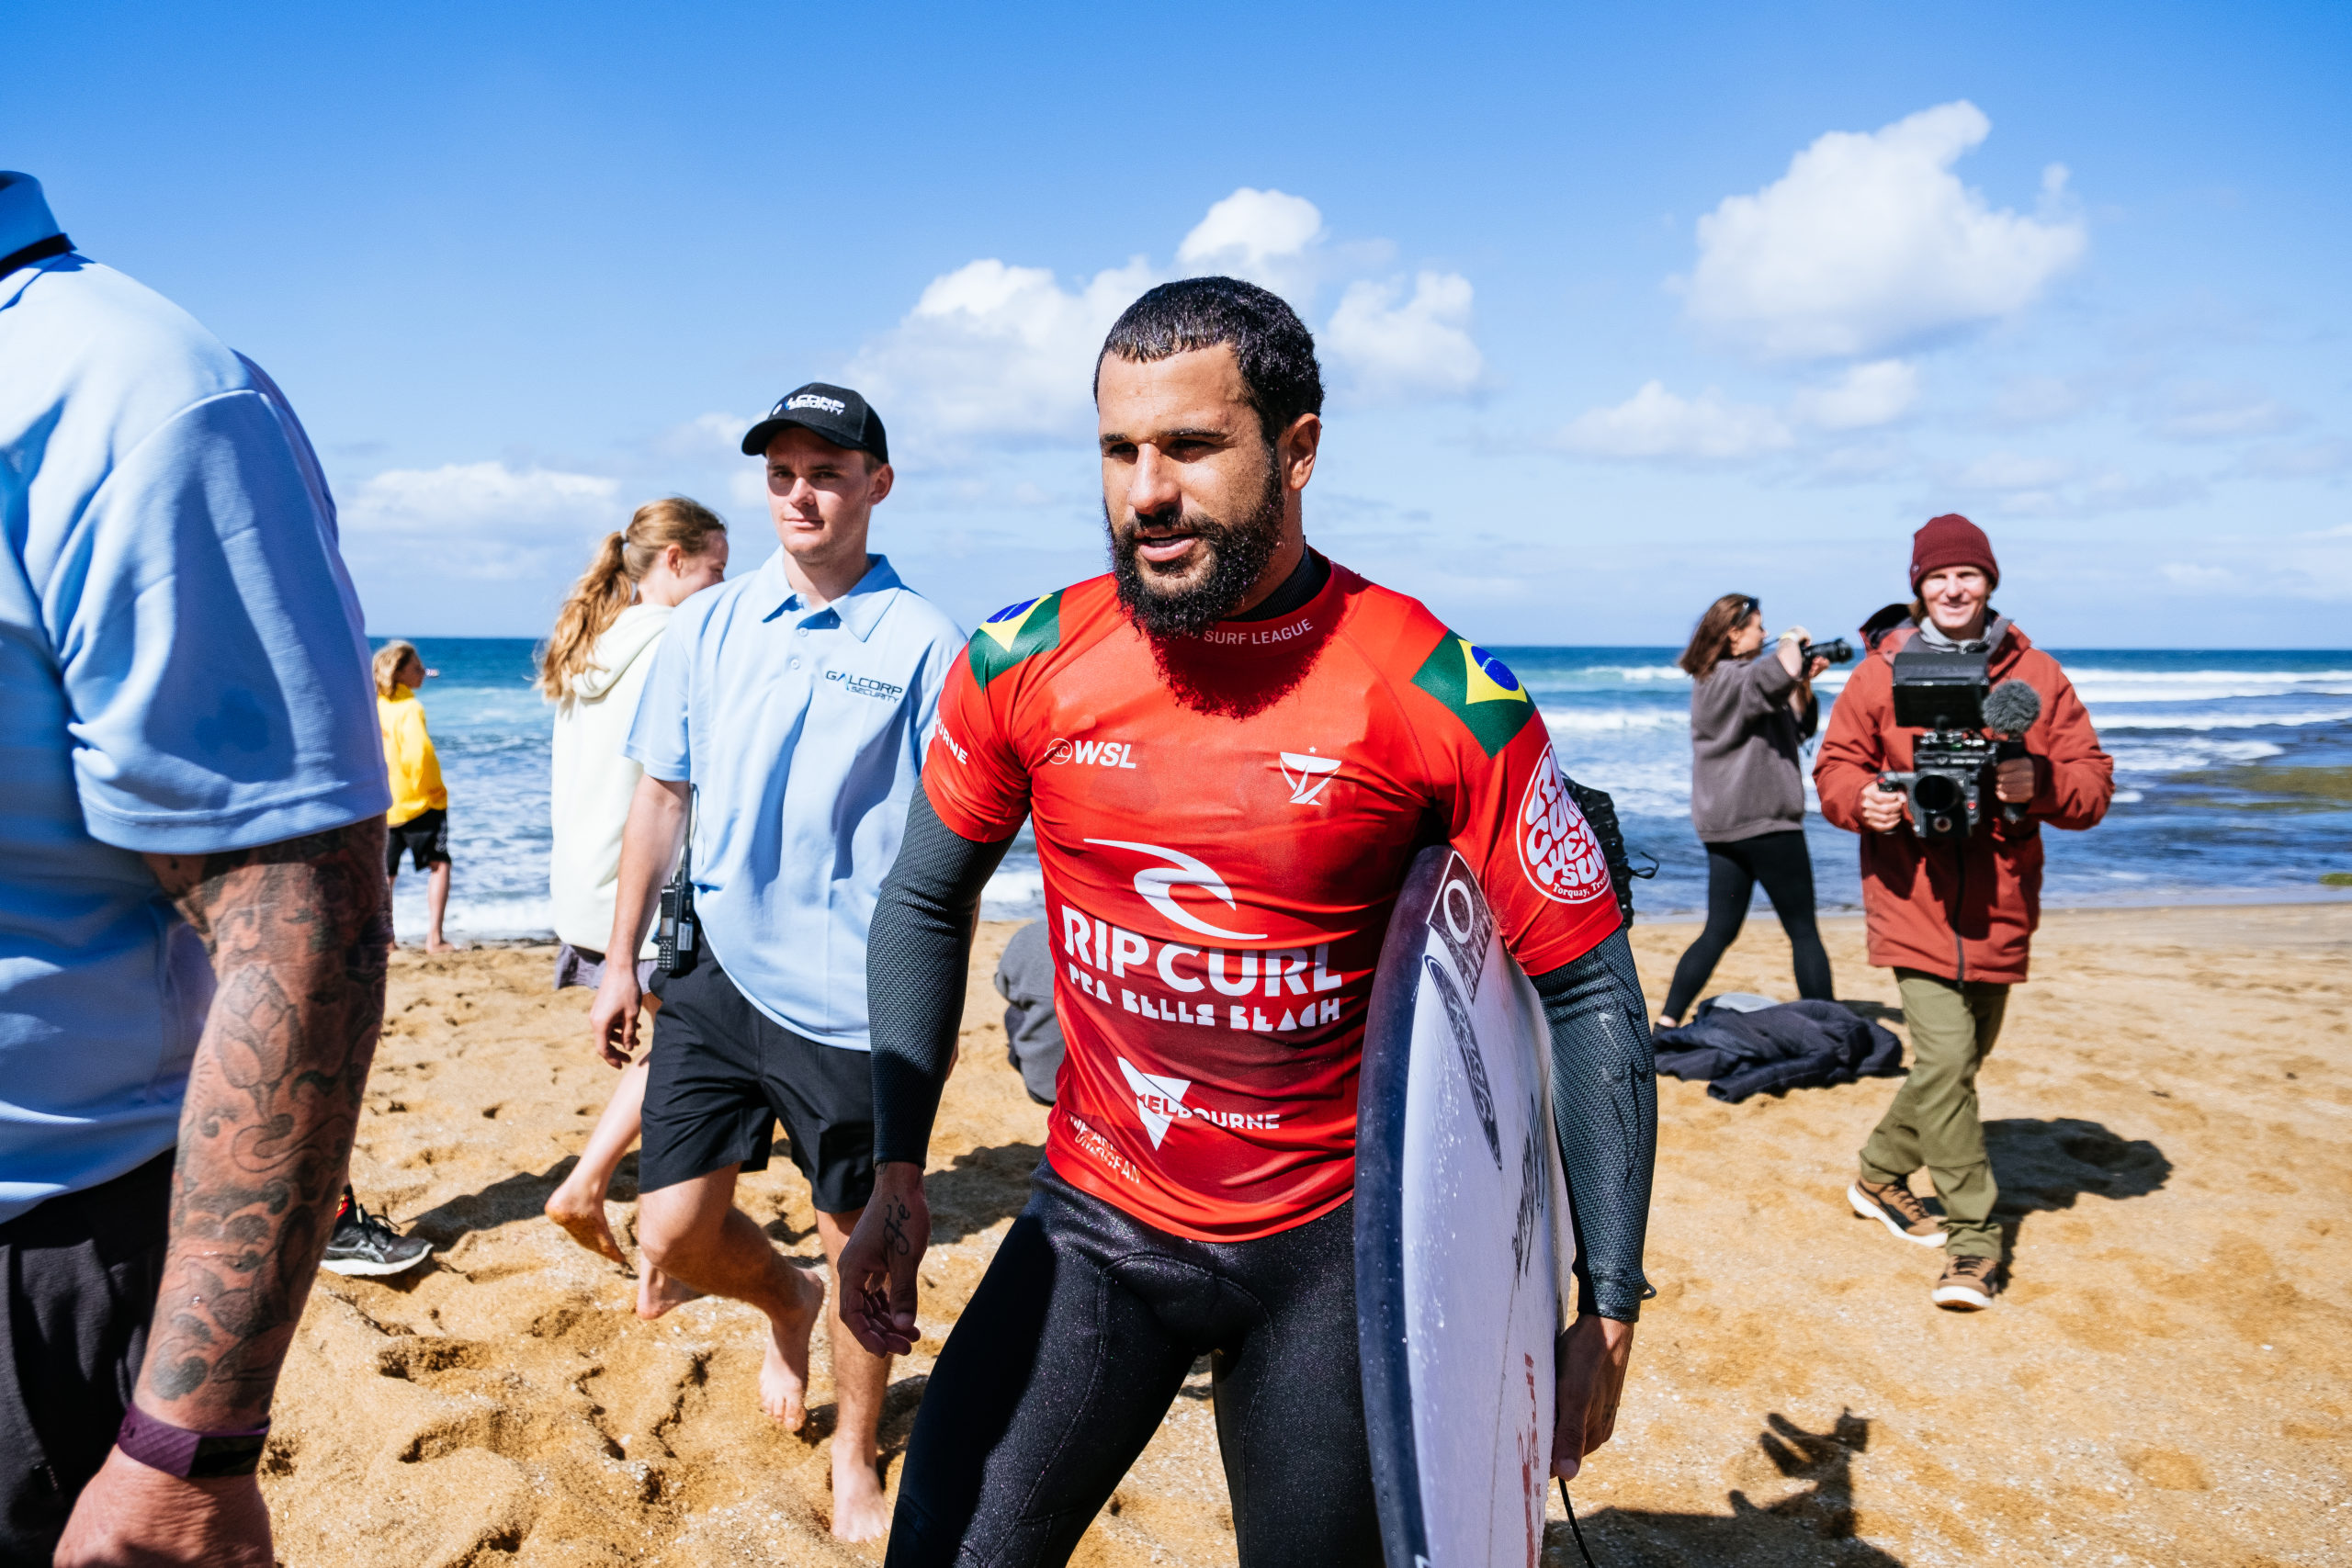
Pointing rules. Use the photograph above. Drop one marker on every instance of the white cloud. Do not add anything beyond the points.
(1873, 394)
(2010, 471)
(2316, 460)
(1658, 424)
(1265, 236)
(481, 519)
(1654, 422)
(705, 435)
(2186, 574)
(1422, 345)
(2014, 485)
(2039, 399)
(991, 349)
(2202, 410)
(1870, 240)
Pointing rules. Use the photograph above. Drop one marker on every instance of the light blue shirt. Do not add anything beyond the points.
(802, 732)
(182, 669)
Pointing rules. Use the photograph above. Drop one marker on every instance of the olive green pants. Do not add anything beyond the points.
(1933, 1120)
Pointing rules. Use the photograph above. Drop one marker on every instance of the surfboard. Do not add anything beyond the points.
(1463, 1241)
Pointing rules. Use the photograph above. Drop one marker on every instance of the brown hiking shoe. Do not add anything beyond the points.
(1968, 1284)
(1896, 1207)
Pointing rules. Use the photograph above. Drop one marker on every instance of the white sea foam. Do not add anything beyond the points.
(2220, 719)
(1014, 893)
(2179, 753)
(1596, 721)
(478, 916)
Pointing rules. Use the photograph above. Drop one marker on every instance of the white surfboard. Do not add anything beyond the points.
(1463, 1243)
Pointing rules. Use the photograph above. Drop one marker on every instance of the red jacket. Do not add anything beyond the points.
(1927, 908)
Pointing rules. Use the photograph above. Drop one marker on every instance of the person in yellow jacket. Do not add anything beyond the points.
(420, 815)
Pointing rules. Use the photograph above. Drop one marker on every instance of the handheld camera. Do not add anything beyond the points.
(1950, 780)
(1836, 650)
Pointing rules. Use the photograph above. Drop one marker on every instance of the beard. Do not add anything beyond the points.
(1237, 553)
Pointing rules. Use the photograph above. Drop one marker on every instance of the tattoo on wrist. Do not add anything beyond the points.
(298, 934)
(894, 1215)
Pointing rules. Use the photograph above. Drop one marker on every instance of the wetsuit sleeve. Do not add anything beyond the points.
(916, 952)
(974, 776)
(1604, 1112)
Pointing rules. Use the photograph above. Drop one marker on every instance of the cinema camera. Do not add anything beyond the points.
(1950, 781)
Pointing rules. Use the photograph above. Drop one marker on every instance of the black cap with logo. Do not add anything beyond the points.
(836, 413)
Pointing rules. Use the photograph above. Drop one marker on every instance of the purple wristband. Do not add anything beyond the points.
(194, 1456)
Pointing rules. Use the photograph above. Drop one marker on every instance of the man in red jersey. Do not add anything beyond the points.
(1230, 749)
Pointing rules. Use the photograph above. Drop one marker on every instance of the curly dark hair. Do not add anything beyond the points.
(1276, 350)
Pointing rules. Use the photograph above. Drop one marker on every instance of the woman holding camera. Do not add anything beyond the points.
(1750, 711)
(1952, 916)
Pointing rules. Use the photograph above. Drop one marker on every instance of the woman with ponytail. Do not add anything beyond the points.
(594, 668)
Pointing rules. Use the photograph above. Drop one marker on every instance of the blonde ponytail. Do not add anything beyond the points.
(391, 659)
(609, 585)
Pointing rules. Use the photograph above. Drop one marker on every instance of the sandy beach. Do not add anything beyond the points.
(2168, 1382)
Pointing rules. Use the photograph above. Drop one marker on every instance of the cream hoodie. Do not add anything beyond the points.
(594, 782)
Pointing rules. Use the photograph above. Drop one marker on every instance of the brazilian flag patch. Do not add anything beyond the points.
(1479, 688)
(1012, 634)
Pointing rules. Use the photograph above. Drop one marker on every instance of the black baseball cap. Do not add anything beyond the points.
(836, 413)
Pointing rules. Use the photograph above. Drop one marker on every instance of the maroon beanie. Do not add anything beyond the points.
(1952, 541)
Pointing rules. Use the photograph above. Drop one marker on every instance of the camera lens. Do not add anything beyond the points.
(1936, 793)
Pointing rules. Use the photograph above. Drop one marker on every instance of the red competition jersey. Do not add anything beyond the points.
(1223, 830)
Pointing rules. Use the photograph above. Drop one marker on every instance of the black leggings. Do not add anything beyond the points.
(1075, 1344)
(1779, 860)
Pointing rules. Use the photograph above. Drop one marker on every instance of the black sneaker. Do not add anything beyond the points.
(364, 1244)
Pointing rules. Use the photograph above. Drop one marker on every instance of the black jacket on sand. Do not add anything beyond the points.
(1793, 1045)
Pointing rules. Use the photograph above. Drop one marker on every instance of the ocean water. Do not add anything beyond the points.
(2234, 773)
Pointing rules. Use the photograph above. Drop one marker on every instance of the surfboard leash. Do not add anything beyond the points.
(1574, 1528)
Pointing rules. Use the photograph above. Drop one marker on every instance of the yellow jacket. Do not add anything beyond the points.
(408, 754)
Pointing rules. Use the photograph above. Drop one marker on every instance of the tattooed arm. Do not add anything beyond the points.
(298, 933)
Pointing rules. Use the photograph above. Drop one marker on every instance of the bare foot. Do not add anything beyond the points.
(783, 1375)
(439, 944)
(581, 1215)
(859, 1511)
(657, 1293)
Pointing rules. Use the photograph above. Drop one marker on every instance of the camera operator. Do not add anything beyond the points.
(1952, 916)
(1750, 711)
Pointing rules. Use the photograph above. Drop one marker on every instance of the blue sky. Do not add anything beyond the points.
(1621, 308)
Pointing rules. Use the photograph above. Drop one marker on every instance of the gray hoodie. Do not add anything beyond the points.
(1746, 776)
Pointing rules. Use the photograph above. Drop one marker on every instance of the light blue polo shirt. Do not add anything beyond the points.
(182, 670)
(802, 732)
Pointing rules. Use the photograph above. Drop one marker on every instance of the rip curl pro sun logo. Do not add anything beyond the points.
(1306, 774)
(1480, 689)
(1012, 634)
(1558, 849)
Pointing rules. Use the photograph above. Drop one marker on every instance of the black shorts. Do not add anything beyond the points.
(426, 836)
(724, 1071)
(81, 1273)
(1068, 1356)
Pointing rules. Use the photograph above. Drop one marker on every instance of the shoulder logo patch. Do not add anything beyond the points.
(1012, 634)
(1480, 689)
